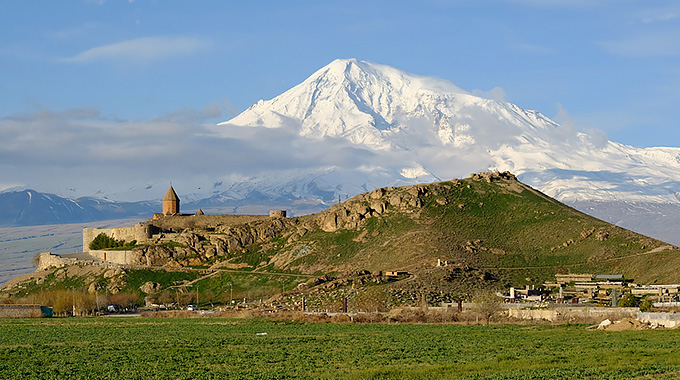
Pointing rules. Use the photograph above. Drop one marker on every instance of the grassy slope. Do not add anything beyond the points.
(502, 224)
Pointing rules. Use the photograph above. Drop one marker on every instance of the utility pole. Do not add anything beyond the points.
(231, 294)
(96, 299)
(197, 296)
(73, 292)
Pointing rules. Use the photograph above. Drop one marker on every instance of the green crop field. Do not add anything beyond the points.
(218, 348)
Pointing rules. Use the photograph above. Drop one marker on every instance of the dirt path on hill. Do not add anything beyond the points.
(216, 271)
(655, 250)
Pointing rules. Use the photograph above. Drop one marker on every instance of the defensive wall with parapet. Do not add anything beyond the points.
(48, 260)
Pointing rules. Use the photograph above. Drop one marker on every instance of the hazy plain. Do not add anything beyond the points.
(18, 245)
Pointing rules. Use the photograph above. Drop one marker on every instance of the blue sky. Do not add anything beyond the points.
(613, 65)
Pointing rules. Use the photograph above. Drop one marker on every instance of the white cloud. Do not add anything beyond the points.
(140, 50)
(668, 16)
(534, 49)
(81, 149)
(495, 93)
(571, 133)
(658, 44)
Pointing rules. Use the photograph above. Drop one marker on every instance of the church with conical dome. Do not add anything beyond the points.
(171, 202)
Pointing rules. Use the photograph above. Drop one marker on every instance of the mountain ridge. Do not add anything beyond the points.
(28, 207)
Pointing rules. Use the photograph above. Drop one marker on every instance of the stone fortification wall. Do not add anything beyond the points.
(21, 311)
(48, 260)
(277, 213)
(141, 232)
(116, 257)
(178, 223)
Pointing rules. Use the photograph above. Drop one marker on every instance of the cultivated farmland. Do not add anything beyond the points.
(218, 348)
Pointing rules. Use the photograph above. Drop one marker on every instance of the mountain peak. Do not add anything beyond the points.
(385, 108)
(360, 101)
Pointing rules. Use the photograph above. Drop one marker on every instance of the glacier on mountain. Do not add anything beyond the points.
(436, 129)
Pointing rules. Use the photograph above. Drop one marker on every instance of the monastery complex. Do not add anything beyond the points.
(162, 227)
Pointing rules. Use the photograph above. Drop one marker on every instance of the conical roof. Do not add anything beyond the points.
(170, 195)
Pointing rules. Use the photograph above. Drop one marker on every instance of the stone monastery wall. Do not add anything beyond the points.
(48, 260)
(140, 232)
(116, 257)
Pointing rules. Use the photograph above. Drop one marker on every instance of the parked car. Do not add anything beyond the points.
(113, 308)
(192, 307)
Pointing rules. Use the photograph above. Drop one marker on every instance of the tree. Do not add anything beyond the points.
(103, 241)
(646, 305)
(36, 260)
(165, 297)
(126, 300)
(486, 304)
(629, 300)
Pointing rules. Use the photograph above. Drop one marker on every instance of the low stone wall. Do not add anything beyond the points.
(667, 320)
(116, 257)
(573, 313)
(21, 311)
(532, 315)
(48, 260)
(140, 232)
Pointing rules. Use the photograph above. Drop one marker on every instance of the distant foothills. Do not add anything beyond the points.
(31, 208)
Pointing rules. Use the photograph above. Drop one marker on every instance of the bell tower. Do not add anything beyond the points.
(170, 202)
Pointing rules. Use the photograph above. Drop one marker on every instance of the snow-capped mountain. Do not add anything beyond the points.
(419, 129)
(354, 126)
(29, 207)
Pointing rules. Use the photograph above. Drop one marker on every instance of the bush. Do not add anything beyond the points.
(629, 300)
(646, 305)
(103, 241)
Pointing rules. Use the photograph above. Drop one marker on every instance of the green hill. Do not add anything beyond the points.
(486, 231)
(489, 221)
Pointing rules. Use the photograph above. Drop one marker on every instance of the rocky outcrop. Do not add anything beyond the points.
(192, 245)
(408, 199)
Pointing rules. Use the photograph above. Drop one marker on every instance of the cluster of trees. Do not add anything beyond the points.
(629, 300)
(66, 302)
(103, 241)
(168, 298)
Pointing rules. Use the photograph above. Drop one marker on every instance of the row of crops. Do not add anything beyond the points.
(147, 348)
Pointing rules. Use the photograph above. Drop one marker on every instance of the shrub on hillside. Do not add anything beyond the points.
(103, 241)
